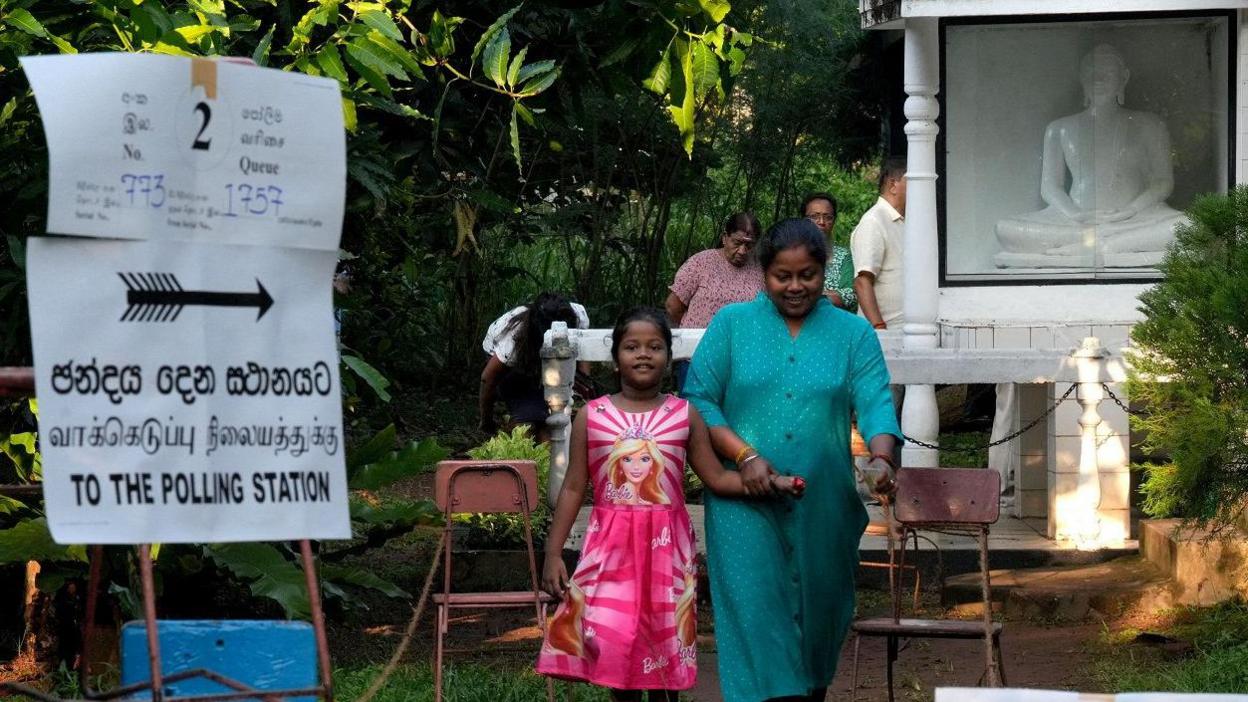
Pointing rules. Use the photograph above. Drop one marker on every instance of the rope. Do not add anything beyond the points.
(1013, 436)
(382, 678)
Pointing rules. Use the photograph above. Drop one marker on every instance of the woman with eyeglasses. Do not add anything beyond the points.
(713, 278)
(838, 283)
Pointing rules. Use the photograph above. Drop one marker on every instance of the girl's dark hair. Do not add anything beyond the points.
(739, 222)
(818, 196)
(640, 314)
(791, 233)
(530, 326)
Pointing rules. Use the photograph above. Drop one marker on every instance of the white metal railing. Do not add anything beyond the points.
(1088, 366)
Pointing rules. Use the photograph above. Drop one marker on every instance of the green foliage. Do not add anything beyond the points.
(415, 458)
(1219, 635)
(30, 540)
(1195, 336)
(507, 530)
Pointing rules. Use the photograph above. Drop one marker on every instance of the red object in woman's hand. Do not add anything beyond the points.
(799, 483)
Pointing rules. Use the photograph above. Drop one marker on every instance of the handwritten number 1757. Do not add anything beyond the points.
(200, 143)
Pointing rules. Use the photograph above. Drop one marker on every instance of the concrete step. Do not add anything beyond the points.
(1205, 567)
(1068, 593)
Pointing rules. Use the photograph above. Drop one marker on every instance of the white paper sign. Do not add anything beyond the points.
(174, 414)
(142, 146)
(185, 359)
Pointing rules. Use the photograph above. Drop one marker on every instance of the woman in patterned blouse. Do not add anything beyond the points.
(713, 278)
(838, 282)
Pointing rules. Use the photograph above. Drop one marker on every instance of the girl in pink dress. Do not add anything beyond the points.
(628, 620)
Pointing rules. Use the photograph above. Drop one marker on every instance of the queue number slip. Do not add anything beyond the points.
(148, 190)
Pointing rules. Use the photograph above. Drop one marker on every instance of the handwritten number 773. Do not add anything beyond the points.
(144, 190)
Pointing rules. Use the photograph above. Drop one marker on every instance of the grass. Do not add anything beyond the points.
(964, 449)
(1217, 662)
(493, 681)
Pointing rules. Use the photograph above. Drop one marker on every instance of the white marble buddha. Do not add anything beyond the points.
(1120, 176)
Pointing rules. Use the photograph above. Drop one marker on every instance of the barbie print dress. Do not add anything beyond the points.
(628, 620)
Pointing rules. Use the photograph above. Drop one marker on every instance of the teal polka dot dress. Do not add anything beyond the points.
(782, 572)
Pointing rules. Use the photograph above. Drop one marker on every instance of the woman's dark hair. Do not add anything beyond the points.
(530, 326)
(791, 233)
(640, 314)
(739, 222)
(818, 196)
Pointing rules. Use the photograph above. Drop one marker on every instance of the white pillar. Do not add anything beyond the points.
(920, 417)
(558, 374)
(1086, 522)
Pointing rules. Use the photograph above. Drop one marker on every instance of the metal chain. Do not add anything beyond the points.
(1118, 401)
(1011, 437)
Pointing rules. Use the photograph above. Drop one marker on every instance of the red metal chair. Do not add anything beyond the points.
(963, 501)
(469, 487)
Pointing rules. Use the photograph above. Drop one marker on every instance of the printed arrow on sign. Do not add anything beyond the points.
(158, 297)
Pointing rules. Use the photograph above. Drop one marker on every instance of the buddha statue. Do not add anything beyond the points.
(1114, 214)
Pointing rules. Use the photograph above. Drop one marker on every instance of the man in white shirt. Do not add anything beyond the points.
(876, 247)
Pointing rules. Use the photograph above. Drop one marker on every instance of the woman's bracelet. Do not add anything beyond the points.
(741, 454)
(747, 459)
(881, 325)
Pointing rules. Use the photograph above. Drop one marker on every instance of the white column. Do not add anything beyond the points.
(1086, 523)
(920, 417)
(558, 374)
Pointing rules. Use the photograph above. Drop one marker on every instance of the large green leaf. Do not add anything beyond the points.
(22, 19)
(716, 10)
(370, 375)
(373, 450)
(30, 540)
(371, 54)
(398, 53)
(515, 140)
(705, 66)
(404, 512)
(268, 573)
(497, 55)
(660, 78)
(382, 22)
(538, 84)
(374, 78)
(442, 34)
(394, 108)
(325, 12)
(261, 54)
(533, 69)
(492, 30)
(362, 578)
(513, 73)
(683, 114)
(414, 459)
(330, 62)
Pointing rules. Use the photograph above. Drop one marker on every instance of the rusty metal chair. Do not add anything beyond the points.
(470, 487)
(858, 449)
(959, 501)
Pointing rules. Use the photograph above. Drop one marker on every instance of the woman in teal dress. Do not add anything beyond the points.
(776, 380)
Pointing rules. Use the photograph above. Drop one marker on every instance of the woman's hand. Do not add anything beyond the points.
(793, 486)
(882, 479)
(756, 473)
(555, 576)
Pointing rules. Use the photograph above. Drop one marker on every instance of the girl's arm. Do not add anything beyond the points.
(719, 480)
(571, 495)
(494, 369)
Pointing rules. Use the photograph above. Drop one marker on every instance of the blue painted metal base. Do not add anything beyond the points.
(267, 655)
